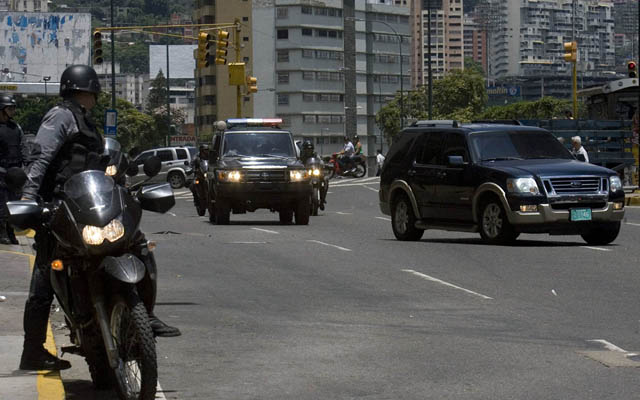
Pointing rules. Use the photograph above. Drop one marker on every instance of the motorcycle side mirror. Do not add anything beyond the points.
(15, 179)
(152, 166)
(133, 170)
(24, 214)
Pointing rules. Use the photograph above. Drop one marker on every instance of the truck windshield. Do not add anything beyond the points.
(258, 144)
(516, 145)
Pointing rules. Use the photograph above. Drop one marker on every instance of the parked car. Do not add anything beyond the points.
(496, 179)
(176, 166)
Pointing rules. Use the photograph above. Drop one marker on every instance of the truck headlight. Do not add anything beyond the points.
(522, 185)
(297, 175)
(615, 183)
(230, 176)
(94, 235)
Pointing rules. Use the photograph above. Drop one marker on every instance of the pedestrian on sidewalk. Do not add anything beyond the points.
(578, 149)
(13, 153)
(379, 162)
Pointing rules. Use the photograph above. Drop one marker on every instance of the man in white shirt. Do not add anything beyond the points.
(347, 151)
(578, 149)
(379, 162)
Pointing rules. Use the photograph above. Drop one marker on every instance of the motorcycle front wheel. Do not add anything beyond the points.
(360, 171)
(136, 376)
(315, 201)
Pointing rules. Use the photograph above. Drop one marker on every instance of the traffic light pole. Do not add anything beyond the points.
(113, 63)
(237, 45)
(575, 91)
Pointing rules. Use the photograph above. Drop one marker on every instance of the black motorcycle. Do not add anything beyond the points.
(200, 187)
(95, 265)
(316, 169)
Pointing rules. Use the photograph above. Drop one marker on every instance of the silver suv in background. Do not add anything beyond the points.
(176, 166)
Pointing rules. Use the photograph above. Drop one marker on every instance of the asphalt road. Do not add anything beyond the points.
(341, 310)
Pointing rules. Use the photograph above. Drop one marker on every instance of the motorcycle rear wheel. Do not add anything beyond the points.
(360, 171)
(315, 201)
(136, 376)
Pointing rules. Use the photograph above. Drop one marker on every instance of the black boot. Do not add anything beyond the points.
(161, 329)
(4, 238)
(11, 235)
(36, 358)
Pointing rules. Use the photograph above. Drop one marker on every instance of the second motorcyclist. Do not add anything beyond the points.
(307, 152)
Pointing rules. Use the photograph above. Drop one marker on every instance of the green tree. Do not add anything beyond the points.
(545, 108)
(132, 56)
(472, 65)
(157, 93)
(30, 110)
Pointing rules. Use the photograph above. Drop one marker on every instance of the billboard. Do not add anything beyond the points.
(181, 61)
(35, 45)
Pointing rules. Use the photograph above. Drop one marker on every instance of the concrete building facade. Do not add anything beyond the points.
(129, 87)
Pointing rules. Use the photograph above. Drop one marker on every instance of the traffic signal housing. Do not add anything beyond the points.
(252, 84)
(571, 51)
(221, 47)
(203, 49)
(97, 48)
(632, 69)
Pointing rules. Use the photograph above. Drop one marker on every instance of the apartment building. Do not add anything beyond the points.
(327, 68)
(25, 5)
(475, 41)
(128, 86)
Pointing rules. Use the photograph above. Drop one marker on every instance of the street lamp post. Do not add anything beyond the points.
(46, 79)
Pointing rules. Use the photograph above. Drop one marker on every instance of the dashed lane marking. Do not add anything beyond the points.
(595, 248)
(329, 245)
(266, 230)
(384, 219)
(436, 280)
(631, 223)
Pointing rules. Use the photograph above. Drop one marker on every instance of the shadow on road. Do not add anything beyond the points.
(83, 390)
(517, 243)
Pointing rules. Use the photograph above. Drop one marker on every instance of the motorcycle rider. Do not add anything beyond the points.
(67, 142)
(307, 152)
(345, 155)
(13, 153)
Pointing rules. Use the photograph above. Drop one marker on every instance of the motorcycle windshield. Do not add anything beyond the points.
(94, 195)
(113, 150)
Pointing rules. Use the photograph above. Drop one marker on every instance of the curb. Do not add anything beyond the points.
(632, 201)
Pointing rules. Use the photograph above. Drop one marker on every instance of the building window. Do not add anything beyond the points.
(309, 119)
(322, 75)
(307, 10)
(308, 97)
(282, 12)
(307, 53)
(245, 19)
(283, 99)
(283, 56)
(308, 75)
(324, 119)
(245, 38)
(283, 34)
(307, 32)
(283, 77)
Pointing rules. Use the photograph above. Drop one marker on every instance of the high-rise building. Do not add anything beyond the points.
(26, 5)
(215, 99)
(475, 42)
(327, 68)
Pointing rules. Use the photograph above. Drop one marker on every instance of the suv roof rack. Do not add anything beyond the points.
(496, 121)
(441, 123)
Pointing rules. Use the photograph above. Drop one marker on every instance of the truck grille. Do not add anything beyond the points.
(265, 175)
(581, 185)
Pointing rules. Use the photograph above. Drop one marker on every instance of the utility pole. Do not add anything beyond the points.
(168, 90)
(113, 62)
(236, 40)
(430, 95)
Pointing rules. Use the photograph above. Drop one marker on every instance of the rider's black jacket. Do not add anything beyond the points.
(13, 146)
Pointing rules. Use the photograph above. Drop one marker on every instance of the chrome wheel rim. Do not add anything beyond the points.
(401, 219)
(492, 221)
(128, 371)
(175, 181)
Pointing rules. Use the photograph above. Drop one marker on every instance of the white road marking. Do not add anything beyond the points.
(608, 345)
(354, 184)
(343, 213)
(330, 245)
(384, 218)
(432, 279)
(372, 189)
(595, 248)
(631, 223)
(247, 242)
(172, 214)
(553, 291)
(266, 230)
(159, 392)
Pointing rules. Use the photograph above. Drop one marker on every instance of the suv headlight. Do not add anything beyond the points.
(229, 176)
(94, 235)
(298, 175)
(522, 185)
(615, 183)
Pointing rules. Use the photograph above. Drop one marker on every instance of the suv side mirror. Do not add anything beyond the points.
(455, 161)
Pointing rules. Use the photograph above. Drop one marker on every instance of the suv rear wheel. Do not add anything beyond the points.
(403, 220)
(602, 234)
(176, 180)
(494, 225)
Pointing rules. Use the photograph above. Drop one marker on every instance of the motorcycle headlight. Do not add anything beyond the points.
(315, 172)
(297, 175)
(523, 185)
(230, 176)
(93, 235)
(111, 170)
(615, 183)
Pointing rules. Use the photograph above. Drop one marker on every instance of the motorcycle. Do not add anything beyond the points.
(200, 188)
(316, 169)
(359, 169)
(95, 265)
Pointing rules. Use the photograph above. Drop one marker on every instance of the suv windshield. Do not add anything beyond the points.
(258, 144)
(517, 145)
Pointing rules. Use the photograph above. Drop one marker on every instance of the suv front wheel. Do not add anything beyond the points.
(494, 225)
(403, 220)
(602, 234)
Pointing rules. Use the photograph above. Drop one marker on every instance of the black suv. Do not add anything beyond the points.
(497, 179)
(253, 164)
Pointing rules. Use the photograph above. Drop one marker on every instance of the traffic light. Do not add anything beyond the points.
(203, 49)
(221, 47)
(571, 51)
(632, 69)
(252, 84)
(97, 48)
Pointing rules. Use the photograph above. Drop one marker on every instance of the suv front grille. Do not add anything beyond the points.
(266, 175)
(577, 185)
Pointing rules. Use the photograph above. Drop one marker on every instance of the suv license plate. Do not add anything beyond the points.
(580, 214)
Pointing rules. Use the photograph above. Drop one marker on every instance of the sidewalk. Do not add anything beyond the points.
(632, 199)
(15, 275)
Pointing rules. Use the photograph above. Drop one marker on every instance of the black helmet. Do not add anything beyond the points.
(79, 78)
(307, 145)
(7, 100)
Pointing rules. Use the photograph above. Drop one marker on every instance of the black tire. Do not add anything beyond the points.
(302, 212)
(403, 220)
(201, 210)
(361, 170)
(136, 377)
(602, 234)
(315, 201)
(331, 173)
(286, 216)
(223, 212)
(176, 180)
(494, 224)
